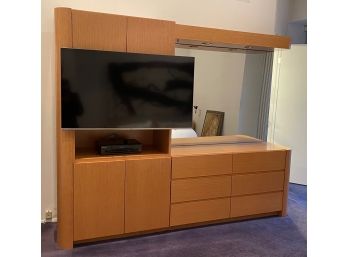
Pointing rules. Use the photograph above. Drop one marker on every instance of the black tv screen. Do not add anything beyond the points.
(103, 89)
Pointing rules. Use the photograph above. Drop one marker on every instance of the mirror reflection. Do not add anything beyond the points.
(235, 83)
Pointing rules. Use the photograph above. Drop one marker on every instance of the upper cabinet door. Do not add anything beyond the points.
(99, 31)
(150, 36)
(147, 195)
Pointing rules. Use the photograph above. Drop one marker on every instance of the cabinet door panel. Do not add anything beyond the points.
(99, 31)
(150, 36)
(147, 194)
(98, 199)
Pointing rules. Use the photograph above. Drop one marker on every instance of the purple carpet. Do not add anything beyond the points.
(266, 237)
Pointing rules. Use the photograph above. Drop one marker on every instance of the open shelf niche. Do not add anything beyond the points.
(155, 142)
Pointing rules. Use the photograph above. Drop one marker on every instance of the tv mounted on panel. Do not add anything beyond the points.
(116, 90)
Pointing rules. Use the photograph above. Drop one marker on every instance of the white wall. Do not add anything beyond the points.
(251, 94)
(298, 10)
(290, 12)
(245, 15)
(282, 16)
(297, 22)
(297, 32)
(288, 108)
(241, 15)
(217, 86)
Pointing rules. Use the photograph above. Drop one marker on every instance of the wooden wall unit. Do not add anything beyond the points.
(164, 186)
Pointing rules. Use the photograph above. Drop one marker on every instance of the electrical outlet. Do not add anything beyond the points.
(48, 215)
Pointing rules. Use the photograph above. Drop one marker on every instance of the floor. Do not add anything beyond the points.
(266, 237)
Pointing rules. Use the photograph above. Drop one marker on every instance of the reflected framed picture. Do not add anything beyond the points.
(213, 123)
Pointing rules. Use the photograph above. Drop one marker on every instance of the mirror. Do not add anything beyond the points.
(234, 82)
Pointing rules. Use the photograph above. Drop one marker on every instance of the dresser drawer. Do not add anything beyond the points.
(257, 183)
(256, 204)
(199, 211)
(204, 165)
(262, 161)
(200, 188)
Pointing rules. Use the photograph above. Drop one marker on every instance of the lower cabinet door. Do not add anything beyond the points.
(147, 194)
(98, 199)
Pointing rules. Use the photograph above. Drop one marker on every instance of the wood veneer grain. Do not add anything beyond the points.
(256, 204)
(286, 183)
(98, 199)
(162, 140)
(150, 36)
(200, 188)
(230, 37)
(100, 31)
(195, 147)
(207, 165)
(65, 139)
(199, 211)
(147, 198)
(259, 161)
(257, 183)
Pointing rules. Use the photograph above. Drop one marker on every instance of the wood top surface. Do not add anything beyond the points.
(230, 37)
(221, 145)
(88, 155)
(190, 147)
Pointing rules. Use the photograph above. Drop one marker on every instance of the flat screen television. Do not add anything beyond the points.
(117, 90)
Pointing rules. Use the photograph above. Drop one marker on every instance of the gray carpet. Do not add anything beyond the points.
(266, 237)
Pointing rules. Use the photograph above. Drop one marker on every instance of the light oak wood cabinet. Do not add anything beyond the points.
(249, 180)
(98, 199)
(147, 194)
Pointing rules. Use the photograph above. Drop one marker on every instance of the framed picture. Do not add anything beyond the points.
(213, 123)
